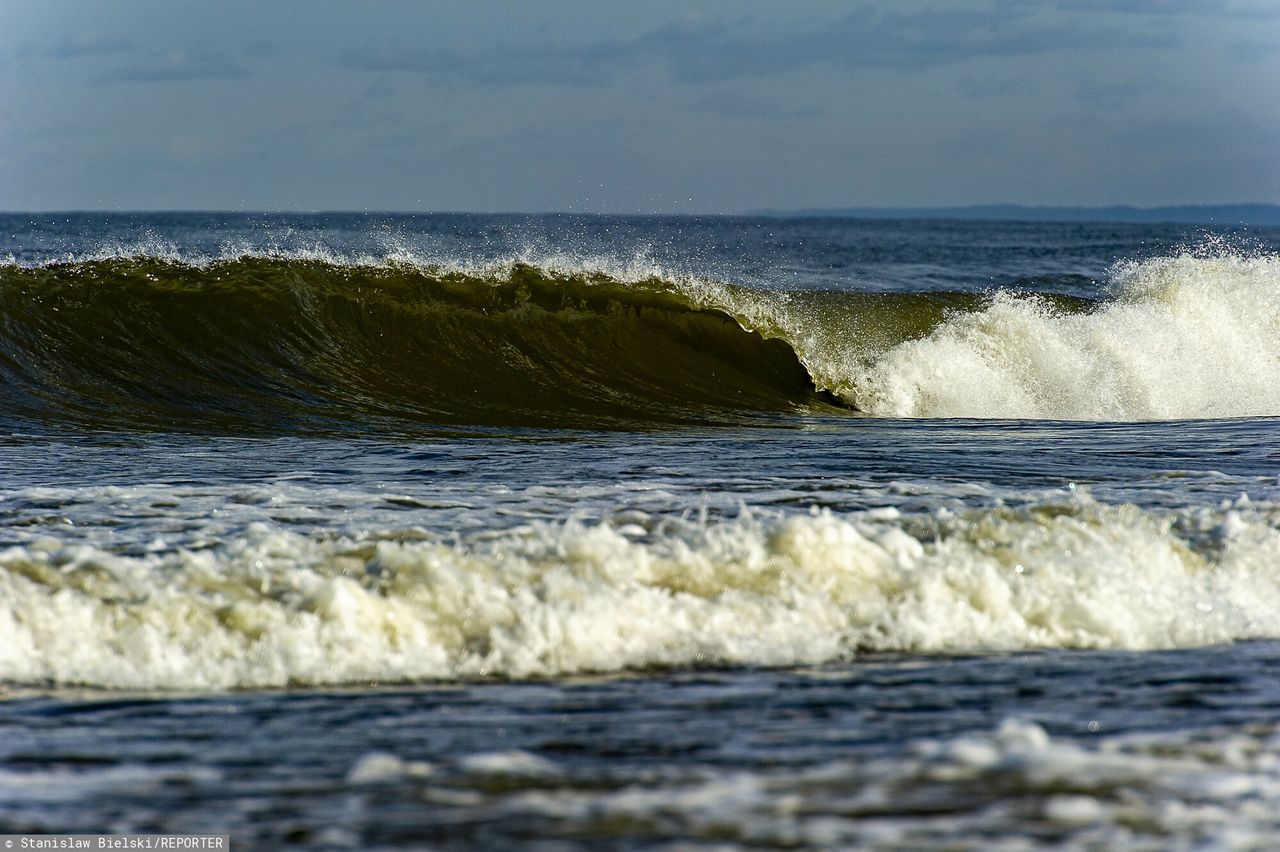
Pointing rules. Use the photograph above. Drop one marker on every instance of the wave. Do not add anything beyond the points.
(1182, 337)
(274, 607)
(275, 342)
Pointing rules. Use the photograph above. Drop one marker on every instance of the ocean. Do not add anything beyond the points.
(550, 531)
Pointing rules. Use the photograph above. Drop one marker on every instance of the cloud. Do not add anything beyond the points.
(1253, 50)
(260, 49)
(1110, 94)
(741, 106)
(380, 87)
(1145, 7)
(866, 38)
(1199, 8)
(583, 64)
(1003, 85)
(179, 65)
(697, 50)
(77, 46)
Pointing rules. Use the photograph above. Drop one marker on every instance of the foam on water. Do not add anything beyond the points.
(1185, 337)
(1010, 786)
(272, 607)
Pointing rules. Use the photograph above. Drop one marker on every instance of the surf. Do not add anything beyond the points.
(310, 342)
(1183, 337)
(273, 608)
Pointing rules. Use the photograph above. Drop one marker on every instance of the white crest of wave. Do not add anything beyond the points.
(274, 607)
(1184, 337)
(752, 308)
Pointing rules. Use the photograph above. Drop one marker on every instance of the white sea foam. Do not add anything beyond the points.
(1011, 787)
(381, 768)
(274, 607)
(1185, 337)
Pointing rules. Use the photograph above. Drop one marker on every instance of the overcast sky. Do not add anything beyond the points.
(636, 107)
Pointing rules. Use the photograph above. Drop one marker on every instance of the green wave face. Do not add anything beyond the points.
(270, 344)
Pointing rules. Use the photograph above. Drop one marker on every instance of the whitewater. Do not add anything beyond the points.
(1179, 337)
(276, 609)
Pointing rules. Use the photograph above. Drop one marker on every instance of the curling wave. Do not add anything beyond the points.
(275, 342)
(272, 342)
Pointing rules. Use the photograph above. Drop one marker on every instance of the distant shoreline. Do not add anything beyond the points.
(1191, 214)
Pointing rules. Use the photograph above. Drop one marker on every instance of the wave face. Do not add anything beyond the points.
(280, 342)
(275, 342)
(275, 607)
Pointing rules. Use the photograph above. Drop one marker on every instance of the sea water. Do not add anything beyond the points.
(356, 530)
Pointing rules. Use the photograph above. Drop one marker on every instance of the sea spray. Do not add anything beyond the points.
(1183, 337)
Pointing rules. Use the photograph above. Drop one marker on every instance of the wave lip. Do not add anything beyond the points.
(273, 342)
(274, 608)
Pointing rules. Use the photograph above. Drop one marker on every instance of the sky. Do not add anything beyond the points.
(654, 107)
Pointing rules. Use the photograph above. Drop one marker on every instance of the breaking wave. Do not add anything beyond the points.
(1182, 337)
(275, 342)
(274, 607)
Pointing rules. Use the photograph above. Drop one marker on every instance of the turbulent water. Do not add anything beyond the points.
(634, 530)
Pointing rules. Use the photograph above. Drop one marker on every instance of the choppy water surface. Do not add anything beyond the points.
(379, 530)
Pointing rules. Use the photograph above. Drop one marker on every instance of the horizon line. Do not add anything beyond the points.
(1010, 211)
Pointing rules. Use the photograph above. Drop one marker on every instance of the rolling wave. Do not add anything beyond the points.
(278, 343)
(274, 607)
(274, 342)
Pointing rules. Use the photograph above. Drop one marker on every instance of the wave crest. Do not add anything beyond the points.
(274, 607)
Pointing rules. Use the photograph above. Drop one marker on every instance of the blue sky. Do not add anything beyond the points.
(647, 107)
